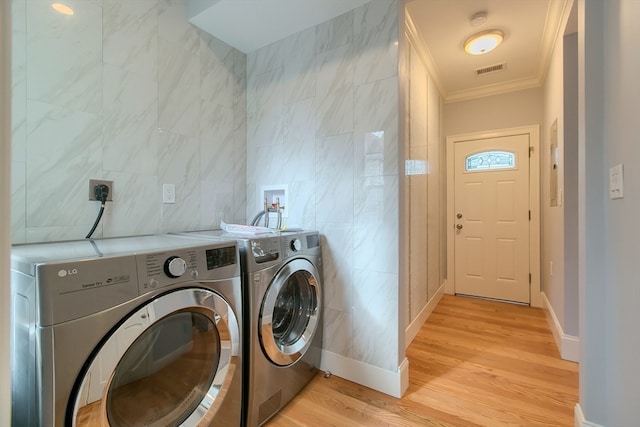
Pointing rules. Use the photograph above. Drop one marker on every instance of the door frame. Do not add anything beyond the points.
(533, 132)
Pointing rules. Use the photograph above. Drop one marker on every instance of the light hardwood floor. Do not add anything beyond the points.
(474, 363)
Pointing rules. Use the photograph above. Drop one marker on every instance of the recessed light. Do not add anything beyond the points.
(483, 42)
(62, 8)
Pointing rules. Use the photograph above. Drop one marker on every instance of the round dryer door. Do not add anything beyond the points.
(169, 363)
(290, 312)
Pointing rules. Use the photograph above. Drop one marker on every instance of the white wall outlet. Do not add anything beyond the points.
(616, 182)
(168, 193)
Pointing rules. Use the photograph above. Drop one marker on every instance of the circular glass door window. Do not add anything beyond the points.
(170, 363)
(290, 313)
(165, 374)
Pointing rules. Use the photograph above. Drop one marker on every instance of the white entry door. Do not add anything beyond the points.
(492, 218)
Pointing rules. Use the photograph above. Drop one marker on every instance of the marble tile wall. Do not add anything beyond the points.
(323, 119)
(126, 91)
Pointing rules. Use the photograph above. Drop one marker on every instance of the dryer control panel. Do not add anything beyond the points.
(206, 263)
(64, 281)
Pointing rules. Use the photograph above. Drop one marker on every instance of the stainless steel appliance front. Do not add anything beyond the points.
(138, 331)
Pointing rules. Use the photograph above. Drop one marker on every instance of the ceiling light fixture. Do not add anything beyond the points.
(62, 8)
(483, 42)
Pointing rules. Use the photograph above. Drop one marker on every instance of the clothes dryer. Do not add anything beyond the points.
(127, 331)
(282, 287)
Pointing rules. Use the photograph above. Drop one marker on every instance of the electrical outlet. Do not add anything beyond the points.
(92, 185)
(168, 193)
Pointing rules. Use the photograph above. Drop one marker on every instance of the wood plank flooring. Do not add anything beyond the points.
(474, 363)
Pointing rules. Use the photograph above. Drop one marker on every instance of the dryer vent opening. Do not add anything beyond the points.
(490, 69)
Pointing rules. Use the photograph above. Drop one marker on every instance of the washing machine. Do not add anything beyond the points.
(131, 331)
(282, 287)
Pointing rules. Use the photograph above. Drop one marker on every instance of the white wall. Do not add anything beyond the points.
(143, 98)
(423, 148)
(570, 182)
(417, 186)
(553, 216)
(596, 367)
(559, 230)
(323, 119)
(5, 211)
(622, 244)
(514, 109)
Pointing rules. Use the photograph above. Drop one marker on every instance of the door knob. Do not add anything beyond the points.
(459, 216)
(459, 226)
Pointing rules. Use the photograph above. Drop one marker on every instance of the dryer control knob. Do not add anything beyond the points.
(295, 245)
(175, 267)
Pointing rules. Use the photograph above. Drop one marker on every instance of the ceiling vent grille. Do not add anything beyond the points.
(490, 69)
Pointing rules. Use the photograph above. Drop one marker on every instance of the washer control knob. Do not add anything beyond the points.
(175, 267)
(295, 245)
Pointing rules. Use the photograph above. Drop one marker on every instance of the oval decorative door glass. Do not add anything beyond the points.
(490, 160)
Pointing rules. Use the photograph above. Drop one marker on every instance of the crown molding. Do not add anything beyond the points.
(423, 52)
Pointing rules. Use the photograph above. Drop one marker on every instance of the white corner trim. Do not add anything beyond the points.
(404, 376)
(415, 326)
(388, 382)
(578, 418)
(568, 345)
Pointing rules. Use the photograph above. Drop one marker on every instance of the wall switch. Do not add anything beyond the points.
(168, 193)
(616, 182)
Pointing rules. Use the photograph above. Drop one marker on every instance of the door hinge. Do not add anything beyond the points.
(529, 215)
(529, 278)
(530, 151)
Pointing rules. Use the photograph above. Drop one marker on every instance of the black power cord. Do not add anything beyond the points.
(101, 192)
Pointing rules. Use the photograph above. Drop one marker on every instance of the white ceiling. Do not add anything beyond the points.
(249, 25)
(530, 27)
(437, 27)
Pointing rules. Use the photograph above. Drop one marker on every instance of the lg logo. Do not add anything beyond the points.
(64, 273)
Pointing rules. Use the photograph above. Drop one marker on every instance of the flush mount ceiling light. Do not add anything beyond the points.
(62, 8)
(483, 42)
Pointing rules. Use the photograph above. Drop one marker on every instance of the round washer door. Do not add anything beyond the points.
(170, 362)
(290, 312)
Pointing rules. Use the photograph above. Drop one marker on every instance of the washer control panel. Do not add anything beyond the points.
(295, 245)
(300, 244)
(265, 250)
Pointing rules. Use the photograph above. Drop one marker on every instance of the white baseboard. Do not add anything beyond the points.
(579, 420)
(568, 345)
(388, 382)
(415, 326)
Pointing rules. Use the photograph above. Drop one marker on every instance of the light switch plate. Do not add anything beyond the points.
(168, 193)
(616, 182)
